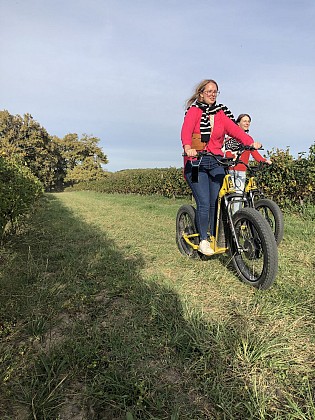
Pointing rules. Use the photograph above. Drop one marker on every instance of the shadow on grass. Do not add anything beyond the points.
(85, 336)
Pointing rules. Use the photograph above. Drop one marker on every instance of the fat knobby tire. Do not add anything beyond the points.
(186, 223)
(265, 238)
(278, 228)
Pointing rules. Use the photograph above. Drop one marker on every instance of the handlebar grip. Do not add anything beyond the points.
(251, 148)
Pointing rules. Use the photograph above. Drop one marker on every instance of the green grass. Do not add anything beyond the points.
(103, 318)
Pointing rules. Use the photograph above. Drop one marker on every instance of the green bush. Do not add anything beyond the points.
(168, 182)
(19, 189)
(288, 181)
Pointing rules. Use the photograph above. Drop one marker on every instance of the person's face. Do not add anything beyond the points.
(244, 123)
(209, 94)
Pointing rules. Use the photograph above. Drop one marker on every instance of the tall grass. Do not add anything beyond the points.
(102, 318)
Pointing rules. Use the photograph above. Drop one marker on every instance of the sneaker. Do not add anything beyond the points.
(204, 248)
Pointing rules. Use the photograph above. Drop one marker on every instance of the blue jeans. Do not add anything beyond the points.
(206, 192)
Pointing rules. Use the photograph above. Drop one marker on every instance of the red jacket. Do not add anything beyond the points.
(222, 125)
(245, 158)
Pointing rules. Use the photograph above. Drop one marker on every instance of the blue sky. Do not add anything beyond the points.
(121, 70)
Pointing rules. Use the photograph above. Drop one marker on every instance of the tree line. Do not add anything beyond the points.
(56, 162)
(289, 181)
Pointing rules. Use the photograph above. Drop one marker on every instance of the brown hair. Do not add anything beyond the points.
(199, 89)
(238, 119)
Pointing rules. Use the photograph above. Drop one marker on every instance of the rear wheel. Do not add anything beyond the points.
(272, 213)
(257, 262)
(186, 225)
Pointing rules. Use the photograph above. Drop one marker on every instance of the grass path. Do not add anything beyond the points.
(102, 318)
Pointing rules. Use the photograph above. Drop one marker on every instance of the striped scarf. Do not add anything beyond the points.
(207, 110)
(233, 145)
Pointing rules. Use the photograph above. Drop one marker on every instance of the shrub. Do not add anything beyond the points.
(288, 181)
(168, 182)
(19, 189)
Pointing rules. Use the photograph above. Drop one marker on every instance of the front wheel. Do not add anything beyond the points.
(256, 262)
(186, 226)
(272, 213)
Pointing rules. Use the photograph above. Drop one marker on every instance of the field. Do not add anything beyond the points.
(102, 318)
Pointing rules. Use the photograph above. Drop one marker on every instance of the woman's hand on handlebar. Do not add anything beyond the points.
(256, 145)
(190, 152)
